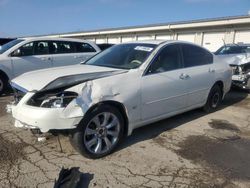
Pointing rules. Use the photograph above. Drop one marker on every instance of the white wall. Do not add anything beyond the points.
(242, 36)
(128, 38)
(163, 37)
(145, 37)
(190, 37)
(213, 41)
(114, 40)
(210, 40)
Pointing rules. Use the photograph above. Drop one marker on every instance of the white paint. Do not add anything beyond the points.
(140, 95)
(213, 41)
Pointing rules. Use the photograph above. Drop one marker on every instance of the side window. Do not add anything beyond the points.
(25, 50)
(84, 47)
(168, 59)
(195, 56)
(53, 47)
(41, 48)
(64, 47)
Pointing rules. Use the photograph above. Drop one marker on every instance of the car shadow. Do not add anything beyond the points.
(234, 97)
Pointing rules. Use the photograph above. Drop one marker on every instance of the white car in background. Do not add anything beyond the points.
(238, 57)
(28, 54)
(122, 88)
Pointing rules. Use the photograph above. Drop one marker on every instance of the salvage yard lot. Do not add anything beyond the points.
(189, 150)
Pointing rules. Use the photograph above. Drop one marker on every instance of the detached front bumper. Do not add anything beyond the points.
(44, 119)
(241, 81)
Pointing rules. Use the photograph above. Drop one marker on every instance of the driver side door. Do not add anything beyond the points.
(163, 88)
(31, 56)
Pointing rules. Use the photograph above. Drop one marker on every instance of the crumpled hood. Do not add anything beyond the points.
(237, 59)
(37, 80)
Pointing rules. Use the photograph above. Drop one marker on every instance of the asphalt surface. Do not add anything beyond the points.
(194, 149)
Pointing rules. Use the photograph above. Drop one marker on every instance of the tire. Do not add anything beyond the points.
(95, 138)
(214, 99)
(3, 84)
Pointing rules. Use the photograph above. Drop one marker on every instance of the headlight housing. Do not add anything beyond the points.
(52, 100)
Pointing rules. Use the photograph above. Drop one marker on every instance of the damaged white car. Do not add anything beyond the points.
(238, 57)
(120, 89)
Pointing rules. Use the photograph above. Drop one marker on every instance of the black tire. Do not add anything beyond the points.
(214, 99)
(78, 137)
(3, 84)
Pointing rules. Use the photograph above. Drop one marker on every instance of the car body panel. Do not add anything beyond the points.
(145, 98)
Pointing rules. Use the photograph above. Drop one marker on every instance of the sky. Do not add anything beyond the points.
(38, 17)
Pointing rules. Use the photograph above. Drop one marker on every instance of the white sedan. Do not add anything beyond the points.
(120, 89)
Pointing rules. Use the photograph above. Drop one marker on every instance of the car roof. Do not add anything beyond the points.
(52, 38)
(156, 42)
(238, 44)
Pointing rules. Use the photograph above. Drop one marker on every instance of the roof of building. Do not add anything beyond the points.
(154, 25)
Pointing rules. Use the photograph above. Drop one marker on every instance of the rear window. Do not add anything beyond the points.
(83, 47)
(9, 45)
(195, 56)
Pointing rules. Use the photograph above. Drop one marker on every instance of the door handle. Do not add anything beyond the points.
(211, 70)
(184, 76)
(46, 58)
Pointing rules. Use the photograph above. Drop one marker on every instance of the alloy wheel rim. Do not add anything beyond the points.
(215, 100)
(102, 133)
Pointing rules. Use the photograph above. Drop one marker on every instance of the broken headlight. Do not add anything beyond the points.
(52, 100)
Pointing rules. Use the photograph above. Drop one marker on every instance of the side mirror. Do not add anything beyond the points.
(16, 53)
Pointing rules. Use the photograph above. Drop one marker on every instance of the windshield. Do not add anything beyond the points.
(123, 56)
(9, 45)
(232, 50)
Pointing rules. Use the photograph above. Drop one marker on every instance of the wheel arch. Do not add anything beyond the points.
(221, 85)
(119, 106)
(4, 75)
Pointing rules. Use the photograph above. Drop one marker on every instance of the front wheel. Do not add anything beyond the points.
(99, 132)
(214, 99)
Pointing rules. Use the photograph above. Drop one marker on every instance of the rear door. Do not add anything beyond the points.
(70, 53)
(199, 71)
(31, 56)
(162, 89)
(84, 51)
(63, 53)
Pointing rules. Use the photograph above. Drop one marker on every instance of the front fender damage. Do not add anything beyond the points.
(91, 93)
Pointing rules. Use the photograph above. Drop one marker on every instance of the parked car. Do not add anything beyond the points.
(238, 57)
(122, 88)
(27, 54)
(104, 46)
(5, 40)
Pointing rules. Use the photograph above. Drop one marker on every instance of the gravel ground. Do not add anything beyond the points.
(189, 150)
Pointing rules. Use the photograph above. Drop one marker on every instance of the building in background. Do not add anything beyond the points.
(210, 33)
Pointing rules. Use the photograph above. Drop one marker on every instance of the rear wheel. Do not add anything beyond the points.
(99, 132)
(214, 99)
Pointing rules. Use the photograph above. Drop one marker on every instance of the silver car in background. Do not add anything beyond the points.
(27, 54)
(238, 57)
